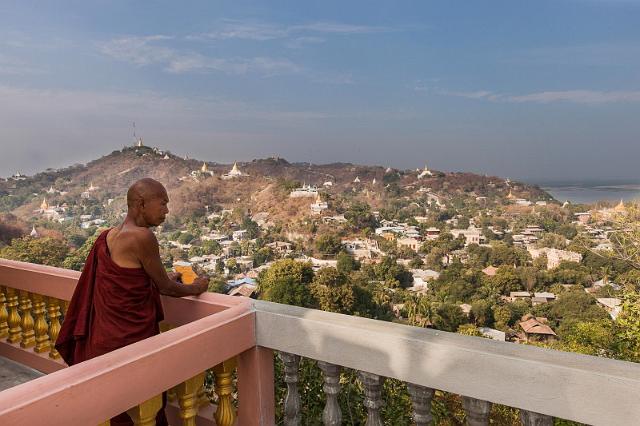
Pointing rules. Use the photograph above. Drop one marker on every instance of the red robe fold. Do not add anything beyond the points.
(111, 307)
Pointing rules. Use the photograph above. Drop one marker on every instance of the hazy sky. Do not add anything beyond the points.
(530, 90)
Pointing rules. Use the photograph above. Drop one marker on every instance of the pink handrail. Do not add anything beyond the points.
(98, 389)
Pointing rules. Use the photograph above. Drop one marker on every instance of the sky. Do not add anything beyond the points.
(537, 91)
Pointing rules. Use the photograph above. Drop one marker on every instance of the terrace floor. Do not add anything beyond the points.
(13, 374)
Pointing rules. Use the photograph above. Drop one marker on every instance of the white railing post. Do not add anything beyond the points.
(292, 401)
(529, 418)
(477, 411)
(331, 415)
(421, 397)
(372, 396)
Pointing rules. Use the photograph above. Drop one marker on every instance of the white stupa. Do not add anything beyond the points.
(51, 190)
(234, 172)
(34, 233)
(424, 173)
(373, 182)
(356, 180)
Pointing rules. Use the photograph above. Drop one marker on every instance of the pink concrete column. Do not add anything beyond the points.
(256, 399)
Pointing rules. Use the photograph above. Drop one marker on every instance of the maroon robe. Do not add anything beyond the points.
(111, 307)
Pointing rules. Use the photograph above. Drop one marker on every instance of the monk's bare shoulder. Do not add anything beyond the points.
(146, 240)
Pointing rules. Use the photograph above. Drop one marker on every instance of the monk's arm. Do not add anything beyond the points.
(149, 256)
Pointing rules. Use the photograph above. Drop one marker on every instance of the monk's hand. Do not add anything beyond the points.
(175, 276)
(200, 284)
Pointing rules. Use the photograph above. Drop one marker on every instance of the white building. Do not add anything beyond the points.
(554, 256)
(471, 235)
(304, 191)
(425, 173)
(319, 206)
(234, 173)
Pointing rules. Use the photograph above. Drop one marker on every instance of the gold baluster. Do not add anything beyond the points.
(203, 399)
(4, 314)
(145, 414)
(53, 310)
(225, 413)
(187, 392)
(15, 332)
(27, 323)
(41, 328)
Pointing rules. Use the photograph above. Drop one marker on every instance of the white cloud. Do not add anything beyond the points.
(300, 34)
(587, 97)
(299, 42)
(143, 51)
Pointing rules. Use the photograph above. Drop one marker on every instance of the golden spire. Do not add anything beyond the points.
(44, 205)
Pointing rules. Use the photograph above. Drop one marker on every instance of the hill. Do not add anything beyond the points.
(264, 186)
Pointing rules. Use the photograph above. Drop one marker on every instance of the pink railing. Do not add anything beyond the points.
(207, 331)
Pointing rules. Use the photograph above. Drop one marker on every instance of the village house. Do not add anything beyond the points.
(304, 191)
(334, 220)
(612, 305)
(471, 235)
(432, 233)
(421, 279)
(361, 249)
(490, 271)
(554, 256)
(411, 243)
(319, 206)
(281, 248)
(519, 295)
(535, 330)
(492, 333)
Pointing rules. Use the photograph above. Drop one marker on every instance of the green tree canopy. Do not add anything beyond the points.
(43, 251)
(287, 281)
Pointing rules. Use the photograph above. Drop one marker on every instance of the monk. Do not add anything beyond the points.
(117, 299)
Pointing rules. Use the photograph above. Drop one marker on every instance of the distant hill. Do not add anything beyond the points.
(266, 187)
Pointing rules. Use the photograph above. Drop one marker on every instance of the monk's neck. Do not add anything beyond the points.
(136, 220)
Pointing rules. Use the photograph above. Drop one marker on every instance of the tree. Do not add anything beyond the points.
(502, 316)
(332, 291)
(287, 281)
(469, 330)
(211, 247)
(43, 251)
(75, 260)
(574, 306)
(481, 313)
(392, 273)
(217, 284)
(448, 317)
(346, 263)
(502, 254)
(328, 244)
(263, 255)
(185, 238)
(553, 241)
(505, 280)
(359, 216)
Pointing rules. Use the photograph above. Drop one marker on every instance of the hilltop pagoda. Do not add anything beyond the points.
(425, 173)
(234, 172)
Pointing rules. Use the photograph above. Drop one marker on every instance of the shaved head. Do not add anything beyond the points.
(145, 189)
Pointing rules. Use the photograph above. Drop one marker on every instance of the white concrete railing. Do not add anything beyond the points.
(570, 386)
